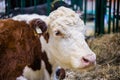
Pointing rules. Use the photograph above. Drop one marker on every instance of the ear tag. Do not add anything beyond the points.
(38, 30)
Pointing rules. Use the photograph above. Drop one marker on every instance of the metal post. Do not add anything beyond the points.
(17, 3)
(85, 12)
(81, 4)
(8, 6)
(22, 5)
(35, 4)
(103, 12)
(117, 21)
(97, 17)
(48, 6)
(109, 23)
(114, 3)
(73, 3)
(30, 2)
(100, 13)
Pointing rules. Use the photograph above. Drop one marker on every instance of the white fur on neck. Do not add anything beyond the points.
(41, 74)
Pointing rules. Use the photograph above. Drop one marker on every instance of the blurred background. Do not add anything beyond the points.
(99, 16)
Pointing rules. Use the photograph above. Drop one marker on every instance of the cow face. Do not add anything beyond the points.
(66, 44)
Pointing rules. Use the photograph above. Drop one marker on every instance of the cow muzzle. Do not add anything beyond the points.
(88, 60)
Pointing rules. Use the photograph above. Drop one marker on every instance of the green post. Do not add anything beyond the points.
(8, 6)
(96, 16)
(99, 17)
(78, 3)
(117, 18)
(35, 4)
(30, 2)
(73, 3)
(48, 6)
(22, 5)
(17, 3)
(85, 12)
(81, 5)
(109, 23)
(103, 11)
(114, 4)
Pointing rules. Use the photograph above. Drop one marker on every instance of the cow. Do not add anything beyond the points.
(63, 41)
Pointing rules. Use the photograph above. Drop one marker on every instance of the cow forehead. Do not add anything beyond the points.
(63, 19)
(61, 11)
(66, 22)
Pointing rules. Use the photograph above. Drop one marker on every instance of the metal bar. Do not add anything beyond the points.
(8, 6)
(17, 5)
(99, 17)
(97, 6)
(114, 3)
(35, 5)
(73, 3)
(22, 5)
(117, 21)
(30, 2)
(85, 12)
(109, 22)
(48, 6)
(103, 11)
(81, 5)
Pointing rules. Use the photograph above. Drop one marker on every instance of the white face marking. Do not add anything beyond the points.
(66, 46)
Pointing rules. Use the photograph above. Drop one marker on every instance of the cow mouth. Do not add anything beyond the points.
(89, 67)
(86, 65)
(87, 62)
(85, 69)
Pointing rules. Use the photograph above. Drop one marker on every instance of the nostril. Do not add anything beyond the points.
(85, 60)
(89, 59)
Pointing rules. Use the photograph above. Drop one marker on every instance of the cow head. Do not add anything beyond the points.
(64, 41)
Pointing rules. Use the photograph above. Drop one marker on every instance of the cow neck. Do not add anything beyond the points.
(47, 63)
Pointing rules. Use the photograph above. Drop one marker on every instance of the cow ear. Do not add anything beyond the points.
(40, 28)
(38, 25)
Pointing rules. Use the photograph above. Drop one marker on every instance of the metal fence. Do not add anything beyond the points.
(107, 12)
(104, 13)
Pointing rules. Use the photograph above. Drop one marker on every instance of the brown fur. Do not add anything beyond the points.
(18, 47)
(48, 65)
(41, 24)
(46, 37)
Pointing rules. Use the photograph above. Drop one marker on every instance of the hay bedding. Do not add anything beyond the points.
(107, 49)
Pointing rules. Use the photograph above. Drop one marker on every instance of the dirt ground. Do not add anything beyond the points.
(107, 49)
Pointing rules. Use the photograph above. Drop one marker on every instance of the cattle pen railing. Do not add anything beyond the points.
(105, 14)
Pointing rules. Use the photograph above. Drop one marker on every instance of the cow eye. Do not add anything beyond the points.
(58, 33)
